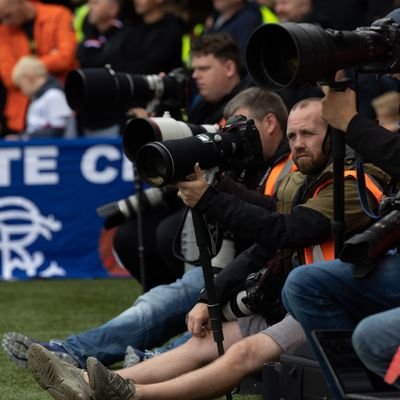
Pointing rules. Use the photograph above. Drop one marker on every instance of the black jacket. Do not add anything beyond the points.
(375, 144)
(152, 48)
(241, 25)
(203, 112)
(100, 48)
(269, 229)
(251, 216)
(96, 50)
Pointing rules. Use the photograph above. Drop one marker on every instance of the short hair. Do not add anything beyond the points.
(29, 64)
(260, 102)
(306, 102)
(221, 45)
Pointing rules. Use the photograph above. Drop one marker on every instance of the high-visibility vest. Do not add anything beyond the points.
(186, 41)
(79, 17)
(277, 173)
(268, 16)
(326, 251)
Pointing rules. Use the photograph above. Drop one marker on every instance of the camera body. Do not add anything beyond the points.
(261, 295)
(236, 146)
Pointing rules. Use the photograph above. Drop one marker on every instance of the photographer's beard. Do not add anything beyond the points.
(310, 164)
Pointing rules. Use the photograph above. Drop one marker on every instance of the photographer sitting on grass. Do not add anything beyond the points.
(304, 198)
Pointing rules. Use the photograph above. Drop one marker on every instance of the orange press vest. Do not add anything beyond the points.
(326, 251)
(277, 173)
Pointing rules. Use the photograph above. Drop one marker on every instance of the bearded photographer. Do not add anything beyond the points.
(328, 295)
(304, 199)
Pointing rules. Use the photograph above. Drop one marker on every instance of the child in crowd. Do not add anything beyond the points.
(48, 114)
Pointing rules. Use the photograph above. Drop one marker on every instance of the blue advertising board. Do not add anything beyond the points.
(49, 192)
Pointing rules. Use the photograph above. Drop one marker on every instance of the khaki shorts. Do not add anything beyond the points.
(287, 333)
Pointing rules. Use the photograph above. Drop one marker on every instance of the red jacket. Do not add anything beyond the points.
(54, 43)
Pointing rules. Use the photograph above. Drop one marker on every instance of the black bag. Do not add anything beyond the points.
(299, 375)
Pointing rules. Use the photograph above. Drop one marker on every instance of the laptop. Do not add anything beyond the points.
(351, 378)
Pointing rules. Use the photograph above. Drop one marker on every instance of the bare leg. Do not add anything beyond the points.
(219, 377)
(194, 354)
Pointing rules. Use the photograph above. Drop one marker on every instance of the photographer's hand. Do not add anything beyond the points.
(192, 190)
(198, 320)
(338, 108)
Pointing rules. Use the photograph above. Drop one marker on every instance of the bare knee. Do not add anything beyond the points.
(251, 353)
(204, 349)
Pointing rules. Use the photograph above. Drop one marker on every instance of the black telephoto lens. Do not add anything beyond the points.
(161, 163)
(292, 54)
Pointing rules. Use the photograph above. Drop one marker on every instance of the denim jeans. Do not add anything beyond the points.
(376, 339)
(326, 296)
(155, 317)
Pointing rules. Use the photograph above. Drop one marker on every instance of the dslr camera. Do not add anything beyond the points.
(261, 295)
(236, 146)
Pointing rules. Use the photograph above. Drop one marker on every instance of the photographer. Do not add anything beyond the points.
(159, 314)
(217, 74)
(304, 199)
(327, 295)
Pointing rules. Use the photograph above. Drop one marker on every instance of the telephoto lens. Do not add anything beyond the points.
(140, 131)
(291, 54)
(237, 145)
(117, 212)
(161, 163)
(104, 88)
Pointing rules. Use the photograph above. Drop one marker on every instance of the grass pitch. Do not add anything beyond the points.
(45, 309)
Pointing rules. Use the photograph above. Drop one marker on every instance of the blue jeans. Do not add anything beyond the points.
(376, 339)
(155, 317)
(326, 295)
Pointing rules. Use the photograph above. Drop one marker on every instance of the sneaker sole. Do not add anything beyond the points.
(15, 347)
(47, 375)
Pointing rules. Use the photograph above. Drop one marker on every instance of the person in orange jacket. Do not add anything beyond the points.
(44, 30)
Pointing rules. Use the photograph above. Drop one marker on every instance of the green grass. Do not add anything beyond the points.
(56, 309)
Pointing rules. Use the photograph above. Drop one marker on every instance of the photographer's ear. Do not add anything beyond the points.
(270, 123)
(230, 68)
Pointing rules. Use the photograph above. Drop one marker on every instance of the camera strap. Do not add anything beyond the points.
(362, 189)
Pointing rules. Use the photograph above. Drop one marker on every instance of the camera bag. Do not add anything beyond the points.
(297, 376)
